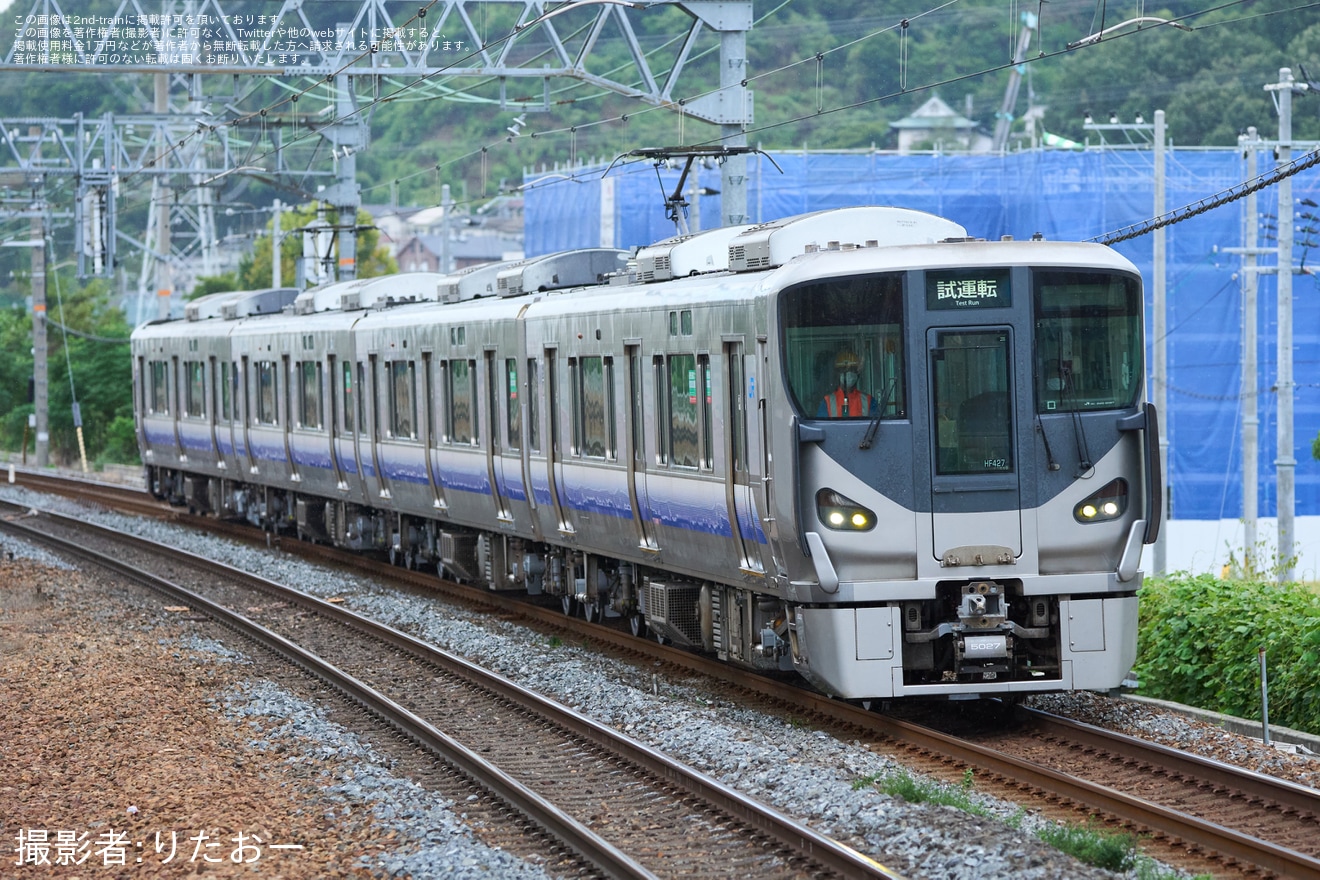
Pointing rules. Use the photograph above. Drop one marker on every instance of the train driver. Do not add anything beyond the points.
(847, 401)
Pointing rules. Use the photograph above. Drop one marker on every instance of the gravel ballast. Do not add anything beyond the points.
(805, 773)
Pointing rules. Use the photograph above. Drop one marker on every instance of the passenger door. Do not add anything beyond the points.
(744, 514)
(635, 453)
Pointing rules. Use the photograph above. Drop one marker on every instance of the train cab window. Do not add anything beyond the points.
(462, 390)
(160, 396)
(514, 436)
(843, 347)
(267, 393)
(309, 380)
(1088, 340)
(684, 421)
(194, 389)
(403, 400)
(347, 406)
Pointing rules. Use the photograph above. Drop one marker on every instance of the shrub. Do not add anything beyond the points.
(1199, 639)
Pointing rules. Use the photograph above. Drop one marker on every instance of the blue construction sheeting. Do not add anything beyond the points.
(1061, 195)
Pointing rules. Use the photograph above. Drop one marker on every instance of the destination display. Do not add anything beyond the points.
(968, 289)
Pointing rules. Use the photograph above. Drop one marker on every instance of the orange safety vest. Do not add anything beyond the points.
(852, 405)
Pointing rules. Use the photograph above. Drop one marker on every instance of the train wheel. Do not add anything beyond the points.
(567, 603)
(590, 611)
(637, 624)
(394, 555)
(409, 561)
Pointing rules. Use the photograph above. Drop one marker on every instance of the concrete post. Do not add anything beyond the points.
(1159, 333)
(1285, 464)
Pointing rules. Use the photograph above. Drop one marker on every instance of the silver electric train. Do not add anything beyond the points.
(857, 444)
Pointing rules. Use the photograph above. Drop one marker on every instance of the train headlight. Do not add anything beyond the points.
(1110, 502)
(842, 513)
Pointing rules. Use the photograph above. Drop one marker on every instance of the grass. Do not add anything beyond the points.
(1112, 850)
(900, 783)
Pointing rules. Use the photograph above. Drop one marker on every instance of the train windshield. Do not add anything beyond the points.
(1088, 340)
(843, 347)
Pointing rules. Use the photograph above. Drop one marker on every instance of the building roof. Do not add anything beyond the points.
(934, 114)
(472, 246)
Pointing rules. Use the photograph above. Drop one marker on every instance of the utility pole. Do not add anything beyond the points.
(1285, 464)
(733, 73)
(164, 281)
(1250, 400)
(446, 206)
(275, 267)
(40, 381)
(1160, 381)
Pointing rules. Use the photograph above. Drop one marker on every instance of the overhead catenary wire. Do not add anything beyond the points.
(573, 129)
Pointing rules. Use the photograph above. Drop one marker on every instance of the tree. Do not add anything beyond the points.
(87, 360)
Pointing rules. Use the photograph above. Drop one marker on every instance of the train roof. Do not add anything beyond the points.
(721, 264)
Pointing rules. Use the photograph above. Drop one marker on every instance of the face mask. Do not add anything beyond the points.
(848, 379)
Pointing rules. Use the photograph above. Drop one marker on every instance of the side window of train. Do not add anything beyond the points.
(533, 406)
(706, 412)
(194, 389)
(513, 439)
(684, 408)
(362, 391)
(370, 390)
(309, 377)
(662, 409)
(267, 393)
(575, 402)
(428, 396)
(347, 404)
(242, 381)
(160, 395)
(290, 386)
(140, 386)
(636, 409)
(403, 399)
(492, 399)
(592, 381)
(461, 394)
(226, 386)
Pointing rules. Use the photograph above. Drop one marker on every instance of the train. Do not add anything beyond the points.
(858, 445)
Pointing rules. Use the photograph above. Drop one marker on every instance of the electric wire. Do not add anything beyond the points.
(572, 130)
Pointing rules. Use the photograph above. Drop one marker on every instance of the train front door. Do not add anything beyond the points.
(975, 496)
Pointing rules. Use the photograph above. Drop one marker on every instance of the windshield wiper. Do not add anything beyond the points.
(869, 437)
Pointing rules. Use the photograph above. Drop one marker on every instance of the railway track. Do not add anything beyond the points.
(622, 807)
(1235, 818)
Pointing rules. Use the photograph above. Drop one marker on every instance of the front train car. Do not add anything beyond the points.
(960, 504)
